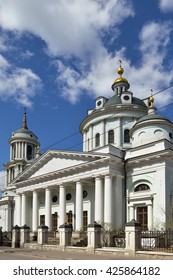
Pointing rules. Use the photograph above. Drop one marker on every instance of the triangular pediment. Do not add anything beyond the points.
(54, 161)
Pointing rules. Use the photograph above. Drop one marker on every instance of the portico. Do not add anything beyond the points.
(70, 197)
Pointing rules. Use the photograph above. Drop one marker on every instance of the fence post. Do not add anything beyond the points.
(15, 237)
(65, 235)
(0, 236)
(94, 236)
(133, 236)
(24, 235)
(42, 235)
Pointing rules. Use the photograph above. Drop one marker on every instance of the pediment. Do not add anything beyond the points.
(53, 161)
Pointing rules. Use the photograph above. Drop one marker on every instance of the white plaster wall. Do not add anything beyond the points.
(151, 133)
(154, 176)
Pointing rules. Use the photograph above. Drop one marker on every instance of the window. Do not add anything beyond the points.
(68, 196)
(29, 152)
(126, 136)
(110, 136)
(97, 140)
(54, 198)
(142, 187)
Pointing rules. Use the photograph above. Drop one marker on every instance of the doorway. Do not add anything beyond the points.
(142, 217)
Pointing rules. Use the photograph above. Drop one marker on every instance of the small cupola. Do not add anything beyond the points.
(120, 84)
(151, 127)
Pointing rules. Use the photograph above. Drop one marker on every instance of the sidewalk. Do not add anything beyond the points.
(7, 253)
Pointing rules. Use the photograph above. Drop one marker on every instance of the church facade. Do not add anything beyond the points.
(124, 171)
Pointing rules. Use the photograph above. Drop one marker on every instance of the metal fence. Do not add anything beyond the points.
(114, 239)
(160, 241)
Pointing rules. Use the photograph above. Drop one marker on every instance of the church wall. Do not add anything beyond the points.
(151, 133)
(153, 174)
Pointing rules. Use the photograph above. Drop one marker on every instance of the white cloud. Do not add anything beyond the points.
(149, 74)
(17, 83)
(74, 28)
(69, 27)
(166, 5)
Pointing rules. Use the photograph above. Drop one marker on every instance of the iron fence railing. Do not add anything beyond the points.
(113, 239)
(157, 241)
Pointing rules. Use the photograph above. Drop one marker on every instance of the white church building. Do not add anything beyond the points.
(124, 171)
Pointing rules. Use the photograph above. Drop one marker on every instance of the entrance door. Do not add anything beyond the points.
(54, 221)
(142, 217)
(85, 220)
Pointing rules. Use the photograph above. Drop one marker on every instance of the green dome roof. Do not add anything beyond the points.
(115, 100)
(152, 117)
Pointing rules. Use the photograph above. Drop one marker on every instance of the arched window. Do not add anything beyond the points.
(29, 152)
(141, 187)
(97, 140)
(126, 136)
(110, 136)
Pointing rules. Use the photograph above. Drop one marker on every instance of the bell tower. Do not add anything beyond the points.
(24, 149)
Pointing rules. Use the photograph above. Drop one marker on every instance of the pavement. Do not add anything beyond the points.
(7, 253)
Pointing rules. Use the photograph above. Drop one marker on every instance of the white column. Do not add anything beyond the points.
(11, 153)
(150, 217)
(79, 206)
(102, 134)
(18, 210)
(22, 150)
(48, 212)
(84, 141)
(34, 211)
(108, 201)
(99, 206)
(118, 202)
(23, 209)
(118, 132)
(132, 213)
(62, 205)
(91, 138)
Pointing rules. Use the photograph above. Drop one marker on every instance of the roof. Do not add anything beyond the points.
(114, 100)
(153, 117)
(24, 133)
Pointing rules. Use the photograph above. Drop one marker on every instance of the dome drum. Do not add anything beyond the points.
(143, 134)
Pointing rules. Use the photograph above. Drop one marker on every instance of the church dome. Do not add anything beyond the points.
(115, 100)
(24, 133)
(151, 127)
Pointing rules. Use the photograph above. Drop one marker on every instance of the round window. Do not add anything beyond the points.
(68, 196)
(126, 97)
(85, 194)
(54, 198)
(99, 103)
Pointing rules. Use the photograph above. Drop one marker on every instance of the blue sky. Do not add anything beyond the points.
(57, 56)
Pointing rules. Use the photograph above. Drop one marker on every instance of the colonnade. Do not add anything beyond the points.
(103, 203)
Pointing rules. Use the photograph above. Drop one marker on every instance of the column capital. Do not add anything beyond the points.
(108, 176)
